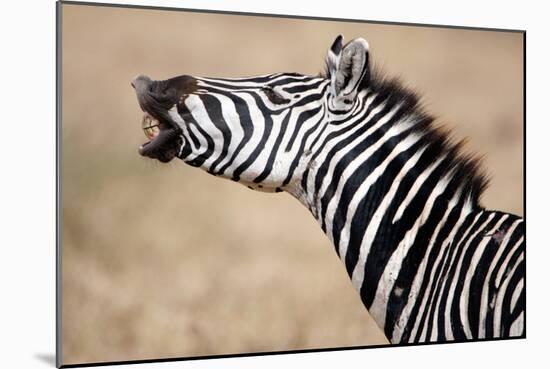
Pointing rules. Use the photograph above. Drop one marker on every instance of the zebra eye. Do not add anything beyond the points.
(273, 96)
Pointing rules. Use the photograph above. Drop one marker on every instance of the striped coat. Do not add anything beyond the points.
(393, 193)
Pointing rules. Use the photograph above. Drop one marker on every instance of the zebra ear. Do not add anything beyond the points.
(348, 66)
(333, 55)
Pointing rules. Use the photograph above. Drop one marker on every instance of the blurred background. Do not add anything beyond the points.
(163, 260)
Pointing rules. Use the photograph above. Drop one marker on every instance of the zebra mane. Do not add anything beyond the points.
(465, 168)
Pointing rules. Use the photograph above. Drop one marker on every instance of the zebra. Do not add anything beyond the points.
(394, 194)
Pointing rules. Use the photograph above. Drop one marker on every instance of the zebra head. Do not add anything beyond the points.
(260, 131)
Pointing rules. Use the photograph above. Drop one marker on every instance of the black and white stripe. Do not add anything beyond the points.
(391, 191)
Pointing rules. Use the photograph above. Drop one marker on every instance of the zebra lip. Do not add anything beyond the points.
(158, 134)
(164, 139)
(162, 147)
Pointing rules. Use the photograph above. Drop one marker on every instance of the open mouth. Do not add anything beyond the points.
(164, 140)
(151, 126)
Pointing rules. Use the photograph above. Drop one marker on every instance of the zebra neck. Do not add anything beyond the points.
(382, 195)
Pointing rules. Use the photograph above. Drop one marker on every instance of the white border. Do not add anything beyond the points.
(27, 185)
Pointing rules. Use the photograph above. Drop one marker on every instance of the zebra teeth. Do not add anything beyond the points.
(151, 126)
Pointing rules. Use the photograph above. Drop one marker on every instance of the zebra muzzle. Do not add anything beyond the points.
(164, 141)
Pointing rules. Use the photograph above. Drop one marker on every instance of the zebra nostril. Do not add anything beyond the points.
(141, 82)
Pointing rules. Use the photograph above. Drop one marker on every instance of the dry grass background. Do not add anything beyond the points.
(164, 260)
